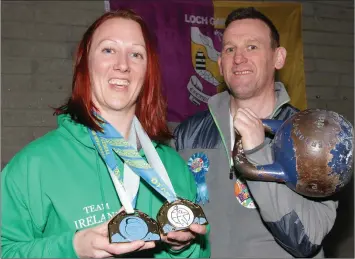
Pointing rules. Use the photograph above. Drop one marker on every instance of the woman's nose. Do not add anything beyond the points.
(121, 64)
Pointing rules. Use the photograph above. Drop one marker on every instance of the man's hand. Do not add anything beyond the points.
(93, 242)
(179, 239)
(249, 127)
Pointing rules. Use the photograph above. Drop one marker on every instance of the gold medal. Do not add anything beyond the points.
(124, 228)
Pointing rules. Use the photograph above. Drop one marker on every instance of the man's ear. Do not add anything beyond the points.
(280, 57)
(219, 61)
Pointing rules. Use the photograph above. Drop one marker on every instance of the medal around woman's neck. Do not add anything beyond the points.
(130, 224)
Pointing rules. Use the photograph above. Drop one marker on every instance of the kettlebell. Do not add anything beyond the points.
(312, 150)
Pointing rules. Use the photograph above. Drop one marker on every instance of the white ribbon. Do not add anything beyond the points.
(128, 191)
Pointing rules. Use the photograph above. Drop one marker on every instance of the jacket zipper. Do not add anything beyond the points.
(224, 144)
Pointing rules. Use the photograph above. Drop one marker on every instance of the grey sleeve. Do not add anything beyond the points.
(298, 224)
(260, 155)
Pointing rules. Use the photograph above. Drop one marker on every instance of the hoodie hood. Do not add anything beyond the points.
(78, 132)
(75, 131)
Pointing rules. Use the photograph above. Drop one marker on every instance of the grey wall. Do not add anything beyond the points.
(39, 37)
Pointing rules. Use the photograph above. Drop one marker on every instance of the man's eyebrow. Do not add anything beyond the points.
(253, 40)
(249, 40)
(227, 43)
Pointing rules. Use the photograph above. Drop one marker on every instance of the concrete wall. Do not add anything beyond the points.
(38, 39)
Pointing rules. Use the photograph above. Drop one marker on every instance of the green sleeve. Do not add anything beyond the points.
(21, 235)
(200, 248)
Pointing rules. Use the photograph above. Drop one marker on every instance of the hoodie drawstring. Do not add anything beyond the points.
(103, 199)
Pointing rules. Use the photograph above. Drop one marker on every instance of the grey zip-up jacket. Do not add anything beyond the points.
(251, 218)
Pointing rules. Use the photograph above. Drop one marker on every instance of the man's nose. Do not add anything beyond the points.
(239, 57)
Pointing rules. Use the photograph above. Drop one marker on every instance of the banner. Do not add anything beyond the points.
(189, 40)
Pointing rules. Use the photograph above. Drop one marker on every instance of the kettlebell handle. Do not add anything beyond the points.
(272, 172)
(272, 126)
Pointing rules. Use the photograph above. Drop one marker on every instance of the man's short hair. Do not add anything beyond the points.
(252, 13)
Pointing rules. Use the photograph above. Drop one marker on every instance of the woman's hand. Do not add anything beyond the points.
(94, 242)
(179, 239)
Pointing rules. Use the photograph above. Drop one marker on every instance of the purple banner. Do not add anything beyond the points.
(188, 48)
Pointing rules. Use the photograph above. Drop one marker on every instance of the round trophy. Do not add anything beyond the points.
(124, 228)
(179, 215)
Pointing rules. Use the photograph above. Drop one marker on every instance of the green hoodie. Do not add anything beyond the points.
(58, 184)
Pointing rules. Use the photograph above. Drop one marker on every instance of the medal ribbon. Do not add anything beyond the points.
(154, 172)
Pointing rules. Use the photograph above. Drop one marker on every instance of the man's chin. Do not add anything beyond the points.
(240, 94)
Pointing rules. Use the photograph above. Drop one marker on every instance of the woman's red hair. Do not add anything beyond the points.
(151, 105)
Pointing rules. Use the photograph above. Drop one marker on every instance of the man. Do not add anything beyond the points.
(249, 218)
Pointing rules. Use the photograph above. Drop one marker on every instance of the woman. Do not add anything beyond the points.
(57, 194)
